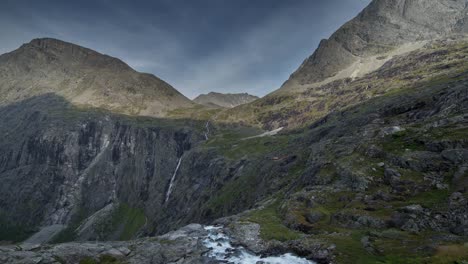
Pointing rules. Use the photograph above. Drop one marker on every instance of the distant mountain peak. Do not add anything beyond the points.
(228, 100)
(84, 77)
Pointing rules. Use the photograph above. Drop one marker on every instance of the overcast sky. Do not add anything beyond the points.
(197, 46)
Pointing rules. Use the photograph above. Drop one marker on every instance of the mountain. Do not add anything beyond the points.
(370, 168)
(224, 100)
(353, 64)
(380, 29)
(85, 78)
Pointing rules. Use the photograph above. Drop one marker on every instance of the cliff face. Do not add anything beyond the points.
(83, 77)
(58, 163)
(382, 26)
(107, 177)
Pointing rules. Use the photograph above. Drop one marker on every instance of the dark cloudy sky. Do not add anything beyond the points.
(198, 46)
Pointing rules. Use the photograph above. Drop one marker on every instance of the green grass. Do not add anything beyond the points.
(131, 218)
(69, 234)
(125, 222)
(430, 199)
(271, 226)
(402, 141)
(236, 144)
(450, 133)
(14, 233)
(233, 193)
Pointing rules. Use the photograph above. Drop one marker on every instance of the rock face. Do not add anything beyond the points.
(59, 164)
(84, 77)
(224, 100)
(384, 25)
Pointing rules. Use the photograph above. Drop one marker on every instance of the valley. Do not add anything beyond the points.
(361, 156)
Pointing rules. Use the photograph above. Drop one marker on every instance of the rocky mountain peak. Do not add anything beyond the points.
(84, 77)
(382, 27)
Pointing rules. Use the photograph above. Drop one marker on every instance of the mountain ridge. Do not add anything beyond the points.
(226, 100)
(380, 27)
(84, 77)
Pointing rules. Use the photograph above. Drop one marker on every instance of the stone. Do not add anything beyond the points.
(124, 250)
(411, 226)
(413, 209)
(391, 176)
(314, 217)
(456, 156)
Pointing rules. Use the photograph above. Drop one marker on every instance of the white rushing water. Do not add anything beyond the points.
(222, 249)
(207, 129)
(171, 184)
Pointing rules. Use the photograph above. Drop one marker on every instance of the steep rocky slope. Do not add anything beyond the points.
(224, 100)
(83, 77)
(383, 26)
(435, 59)
(60, 164)
(377, 39)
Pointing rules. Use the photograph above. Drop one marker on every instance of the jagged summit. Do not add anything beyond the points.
(382, 27)
(229, 100)
(84, 77)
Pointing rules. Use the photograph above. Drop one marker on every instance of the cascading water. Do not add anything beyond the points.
(207, 129)
(221, 249)
(171, 184)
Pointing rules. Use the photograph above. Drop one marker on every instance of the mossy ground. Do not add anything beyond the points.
(123, 224)
(271, 226)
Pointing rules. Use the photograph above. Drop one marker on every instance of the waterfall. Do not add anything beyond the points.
(168, 194)
(207, 131)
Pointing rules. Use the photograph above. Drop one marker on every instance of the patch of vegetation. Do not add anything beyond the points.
(271, 224)
(14, 233)
(131, 219)
(402, 141)
(430, 199)
(88, 260)
(69, 233)
(450, 133)
(123, 224)
(235, 145)
(236, 192)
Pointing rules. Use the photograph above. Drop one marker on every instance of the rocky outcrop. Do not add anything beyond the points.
(224, 100)
(186, 247)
